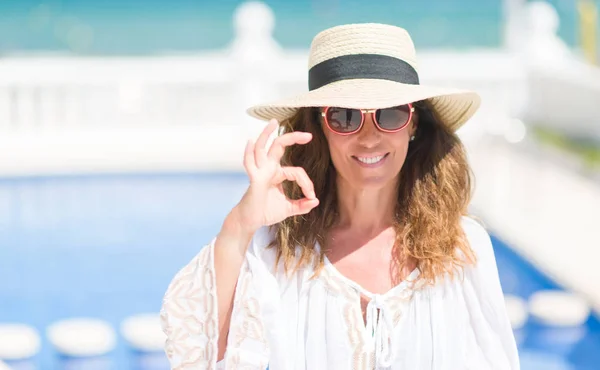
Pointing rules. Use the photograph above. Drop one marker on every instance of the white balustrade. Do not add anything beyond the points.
(563, 90)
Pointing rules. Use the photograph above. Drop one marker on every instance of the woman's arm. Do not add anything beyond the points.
(198, 307)
(229, 251)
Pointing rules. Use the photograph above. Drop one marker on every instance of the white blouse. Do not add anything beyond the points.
(294, 323)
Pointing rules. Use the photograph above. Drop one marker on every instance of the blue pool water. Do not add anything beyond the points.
(158, 26)
(107, 247)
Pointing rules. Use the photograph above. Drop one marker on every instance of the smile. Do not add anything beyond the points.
(371, 160)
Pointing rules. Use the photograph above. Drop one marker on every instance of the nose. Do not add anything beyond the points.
(369, 136)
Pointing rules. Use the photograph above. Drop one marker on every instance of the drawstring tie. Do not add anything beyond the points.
(380, 325)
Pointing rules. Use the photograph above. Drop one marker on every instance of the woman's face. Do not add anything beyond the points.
(369, 157)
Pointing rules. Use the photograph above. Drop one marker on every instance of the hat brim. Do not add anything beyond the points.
(452, 107)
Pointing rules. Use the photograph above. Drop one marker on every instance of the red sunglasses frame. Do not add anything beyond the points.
(363, 112)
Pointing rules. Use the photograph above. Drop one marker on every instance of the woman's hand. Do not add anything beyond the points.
(265, 203)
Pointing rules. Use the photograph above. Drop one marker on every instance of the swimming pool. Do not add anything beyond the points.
(107, 247)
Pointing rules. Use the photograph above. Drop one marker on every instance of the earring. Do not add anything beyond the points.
(412, 138)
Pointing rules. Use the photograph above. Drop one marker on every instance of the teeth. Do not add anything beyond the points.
(370, 160)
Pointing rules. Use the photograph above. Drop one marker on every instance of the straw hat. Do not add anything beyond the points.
(370, 66)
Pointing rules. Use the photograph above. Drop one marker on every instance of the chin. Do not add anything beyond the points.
(374, 182)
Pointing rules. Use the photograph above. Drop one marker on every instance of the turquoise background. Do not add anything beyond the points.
(136, 27)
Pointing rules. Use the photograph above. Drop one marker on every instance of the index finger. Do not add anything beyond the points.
(260, 147)
(278, 147)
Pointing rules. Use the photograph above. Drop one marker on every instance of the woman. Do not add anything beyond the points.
(350, 248)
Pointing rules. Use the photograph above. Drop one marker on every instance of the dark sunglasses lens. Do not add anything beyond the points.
(393, 118)
(343, 120)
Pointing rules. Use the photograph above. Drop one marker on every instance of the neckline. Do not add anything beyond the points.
(400, 287)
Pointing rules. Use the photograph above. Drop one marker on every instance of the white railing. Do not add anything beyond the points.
(58, 93)
(563, 90)
(566, 100)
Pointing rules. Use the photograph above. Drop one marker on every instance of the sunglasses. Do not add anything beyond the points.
(346, 121)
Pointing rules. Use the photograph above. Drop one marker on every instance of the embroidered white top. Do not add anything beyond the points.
(301, 323)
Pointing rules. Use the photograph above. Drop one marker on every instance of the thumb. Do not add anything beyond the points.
(302, 206)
